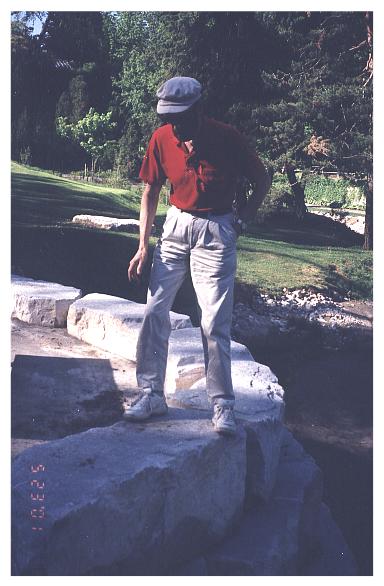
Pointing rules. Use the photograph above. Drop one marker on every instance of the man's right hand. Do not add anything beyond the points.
(137, 263)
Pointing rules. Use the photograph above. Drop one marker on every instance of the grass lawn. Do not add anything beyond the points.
(45, 244)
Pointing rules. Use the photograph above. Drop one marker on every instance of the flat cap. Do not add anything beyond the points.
(177, 94)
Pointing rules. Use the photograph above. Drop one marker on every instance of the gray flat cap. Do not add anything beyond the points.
(177, 94)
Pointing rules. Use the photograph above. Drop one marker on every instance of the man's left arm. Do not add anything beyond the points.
(259, 189)
(251, 167)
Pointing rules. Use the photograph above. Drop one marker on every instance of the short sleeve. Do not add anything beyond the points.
(151, 170)
(248, 161)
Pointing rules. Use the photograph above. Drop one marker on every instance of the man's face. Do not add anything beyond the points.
(186, 124)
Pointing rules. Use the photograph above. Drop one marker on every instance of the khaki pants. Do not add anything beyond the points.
(208, 247)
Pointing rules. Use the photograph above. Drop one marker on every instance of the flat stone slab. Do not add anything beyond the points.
(293, 534)
(107, 223)
(112, 323)
(128, 499)
(259, 405)
(186, 358)
(41, 302)
(256, 389)
(66, 366)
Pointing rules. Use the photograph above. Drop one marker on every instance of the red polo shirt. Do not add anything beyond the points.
(206, 178)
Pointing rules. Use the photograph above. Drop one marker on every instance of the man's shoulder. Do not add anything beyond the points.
(222, 128)
(162, 132)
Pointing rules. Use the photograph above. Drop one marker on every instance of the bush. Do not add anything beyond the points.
(278, 203)
(341, 193)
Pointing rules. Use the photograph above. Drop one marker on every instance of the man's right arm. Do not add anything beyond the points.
(149, 202)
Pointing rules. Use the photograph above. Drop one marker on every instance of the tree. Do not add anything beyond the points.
(226, 52)
(35, 84)
(318, 111)
(90, 132)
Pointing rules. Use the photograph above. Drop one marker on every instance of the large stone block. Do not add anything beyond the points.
(112, 323)
(259, 405)
(186, 358)
(54, 396)
(41, 302)
(299, 478)
(129, 499)
(274, 537)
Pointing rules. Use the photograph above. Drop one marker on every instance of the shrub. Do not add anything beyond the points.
(278, 203)
(323, 191)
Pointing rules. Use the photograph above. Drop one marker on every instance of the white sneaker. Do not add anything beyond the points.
(146, 406)
(223, 418)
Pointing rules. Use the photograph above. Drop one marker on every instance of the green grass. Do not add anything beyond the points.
(45, 244)
(40, 198)
(272, 265)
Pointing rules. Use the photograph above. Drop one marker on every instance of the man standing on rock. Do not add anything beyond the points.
(202, 159)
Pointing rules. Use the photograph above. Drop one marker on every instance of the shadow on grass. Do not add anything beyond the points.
(314, 231)
(51, 200)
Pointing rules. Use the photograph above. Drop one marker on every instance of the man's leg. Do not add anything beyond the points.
(213, 268)
(169, 268)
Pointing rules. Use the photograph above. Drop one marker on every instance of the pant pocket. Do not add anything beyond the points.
(169, 223)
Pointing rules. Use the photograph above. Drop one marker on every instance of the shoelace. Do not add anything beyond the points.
(138, 400)
(223, 410)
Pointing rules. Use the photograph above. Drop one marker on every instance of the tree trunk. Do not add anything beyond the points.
(297, 190)
(368, 231)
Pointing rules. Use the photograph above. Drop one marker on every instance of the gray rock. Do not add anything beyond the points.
(128, 499)
(112, 323)
(272, 537)
(107, 223)
(41, 302)
(260, 406)
(299, 478)
(53, 397)
(185, 363)
(61, 385)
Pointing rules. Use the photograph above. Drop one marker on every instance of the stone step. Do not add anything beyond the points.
(128, 499)
(112, 323)
(185, 363)
(41, 302)
(259, 405)
(330, 556)
(292, 534)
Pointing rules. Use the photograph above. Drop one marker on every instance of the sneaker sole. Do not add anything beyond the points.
(136, 417)
(225, 430)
